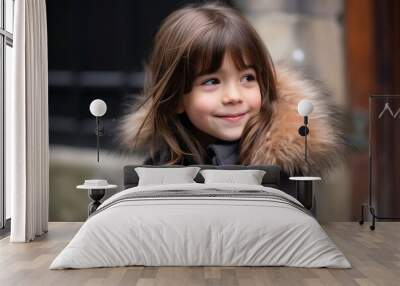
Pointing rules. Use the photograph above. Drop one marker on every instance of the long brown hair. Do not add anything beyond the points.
(192, 41)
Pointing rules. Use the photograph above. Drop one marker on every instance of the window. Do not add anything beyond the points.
(6, 43)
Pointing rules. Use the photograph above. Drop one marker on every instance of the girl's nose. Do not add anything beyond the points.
(231, 95)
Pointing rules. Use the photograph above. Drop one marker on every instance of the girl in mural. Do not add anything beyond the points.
(213, 96)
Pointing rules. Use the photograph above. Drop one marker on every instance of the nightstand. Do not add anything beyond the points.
(96, 191)
(304, 190)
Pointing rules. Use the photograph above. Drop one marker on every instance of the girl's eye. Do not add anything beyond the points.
(210, 81)
(248, 77)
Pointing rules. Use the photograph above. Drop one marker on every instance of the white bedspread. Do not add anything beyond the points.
(176, 231)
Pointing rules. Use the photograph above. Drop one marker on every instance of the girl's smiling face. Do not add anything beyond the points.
(221, 103)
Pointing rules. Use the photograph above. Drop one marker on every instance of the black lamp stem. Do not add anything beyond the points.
(98, 137)
(305, 139)
(305, 146)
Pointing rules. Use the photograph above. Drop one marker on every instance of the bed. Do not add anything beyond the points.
(201, 223)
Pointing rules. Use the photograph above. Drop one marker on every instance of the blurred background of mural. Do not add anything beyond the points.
(97, 49)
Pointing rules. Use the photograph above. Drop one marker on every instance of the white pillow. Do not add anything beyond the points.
(248, 177)
(162, 176)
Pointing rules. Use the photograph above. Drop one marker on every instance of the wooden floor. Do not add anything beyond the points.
(374, 255)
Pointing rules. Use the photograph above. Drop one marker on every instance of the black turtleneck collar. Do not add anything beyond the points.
(223, 152)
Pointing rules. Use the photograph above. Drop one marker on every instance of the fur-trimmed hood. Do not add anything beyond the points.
(281, 145)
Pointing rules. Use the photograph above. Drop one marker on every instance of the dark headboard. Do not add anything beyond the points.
(270, 179)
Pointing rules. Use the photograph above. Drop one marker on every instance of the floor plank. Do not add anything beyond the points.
(374, 255)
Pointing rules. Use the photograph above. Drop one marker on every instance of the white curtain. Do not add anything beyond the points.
(27, 143)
